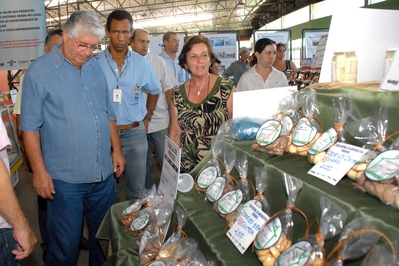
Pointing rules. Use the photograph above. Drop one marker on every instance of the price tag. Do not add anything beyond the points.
(337, 162)
(246, 227)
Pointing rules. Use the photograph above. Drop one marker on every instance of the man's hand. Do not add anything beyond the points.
(43, 184)
(146, 121)
(119, 163)
(26, 241)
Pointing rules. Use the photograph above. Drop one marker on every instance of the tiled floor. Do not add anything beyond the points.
(28, 200)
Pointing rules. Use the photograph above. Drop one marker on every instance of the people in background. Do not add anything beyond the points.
(68, 127)
(280, 63)
(215, 66)
(16, 237)
(263, 75)
(171, 42)
(200, 105)
(239, 67)
(159, 122)
(128, 74)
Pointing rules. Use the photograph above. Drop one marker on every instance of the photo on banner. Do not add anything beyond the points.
(23, 31)
(279, 37)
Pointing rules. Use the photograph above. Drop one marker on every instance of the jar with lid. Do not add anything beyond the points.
(344, 67)
(388, 59)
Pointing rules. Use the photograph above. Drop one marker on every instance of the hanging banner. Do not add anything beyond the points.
(22, 31)
(224, 46)
(278, 37)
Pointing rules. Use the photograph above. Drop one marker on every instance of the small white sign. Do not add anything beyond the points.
(170, 170)
(391, 79)
(246, 227)
(337, 162)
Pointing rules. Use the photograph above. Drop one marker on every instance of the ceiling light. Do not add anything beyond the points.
(172, 20)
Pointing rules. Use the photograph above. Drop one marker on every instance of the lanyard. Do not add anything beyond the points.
(113, 72)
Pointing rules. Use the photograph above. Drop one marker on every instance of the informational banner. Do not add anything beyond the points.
(278, 37)
(225, 48)
(22, 31)
(170, 170)
(312, 39)
(391, 79)
(156, 44)
(317, 61)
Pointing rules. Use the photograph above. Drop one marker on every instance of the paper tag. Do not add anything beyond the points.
(144, 241)
(304, 132)
(230, 201)
(268, 132)
(132, 208)
(247, 226)
(269, 235)
(207, 176)
(337, 162)
(246, 205)
(298, 255)
(140, 222)
(324, 142)
(215, 190)
(384, 166)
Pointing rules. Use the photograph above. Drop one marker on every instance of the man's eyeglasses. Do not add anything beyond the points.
(83, 47)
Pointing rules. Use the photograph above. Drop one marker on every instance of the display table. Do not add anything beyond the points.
(205, 225)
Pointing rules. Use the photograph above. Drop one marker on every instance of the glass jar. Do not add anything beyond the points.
(344, 67)
(388, 59)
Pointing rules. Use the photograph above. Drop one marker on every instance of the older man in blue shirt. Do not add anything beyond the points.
(128, 73)
(69, 128)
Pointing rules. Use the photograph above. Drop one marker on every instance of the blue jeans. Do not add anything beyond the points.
(7, 244)
(65, 213)
(158, 140)
(134, 149)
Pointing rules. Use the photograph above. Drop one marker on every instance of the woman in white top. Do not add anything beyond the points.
(263, 75)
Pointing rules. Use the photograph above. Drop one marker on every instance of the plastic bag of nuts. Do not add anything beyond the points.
(273, 135)
(332, 221)
(343, 108)
(211, 170)
(223, 184)
(372, 132)
(229, 203)
(180, 253)
(308, 128)
(380, 178)
(356, 239)
(260, 201)
(276, 235)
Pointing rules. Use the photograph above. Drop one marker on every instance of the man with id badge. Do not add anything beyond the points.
(127, 74)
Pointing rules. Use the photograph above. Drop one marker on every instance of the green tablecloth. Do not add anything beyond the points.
(208, 228)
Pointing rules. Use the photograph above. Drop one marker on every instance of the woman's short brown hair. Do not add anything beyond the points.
(188, 45)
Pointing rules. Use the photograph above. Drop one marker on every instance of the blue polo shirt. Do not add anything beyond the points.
(71, 109)
(181, 74)
(136, 75)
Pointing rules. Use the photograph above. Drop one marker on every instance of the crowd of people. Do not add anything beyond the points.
(86, 118)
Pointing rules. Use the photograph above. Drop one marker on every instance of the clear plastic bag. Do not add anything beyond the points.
(128, 214)
(308, 128)
(381, 255)
(343, 108)
(355, 241)
(198, 259)
(332, 222)
(276, 235)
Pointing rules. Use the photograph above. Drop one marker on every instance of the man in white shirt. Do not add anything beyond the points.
(171, 42)
(159, 121)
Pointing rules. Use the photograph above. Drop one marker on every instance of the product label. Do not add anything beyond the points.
(269, 235)
(207, 176)
(158, 263)
(287, 125)
(297, 255)
(215, 190)
(230, 201)
(304, 132)
(324, 142)
(132, 208)
(268, 132)
(140, 222)
(246, 205)
(384, 166)
(144, 241)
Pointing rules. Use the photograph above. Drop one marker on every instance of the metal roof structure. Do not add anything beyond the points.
(199, 15)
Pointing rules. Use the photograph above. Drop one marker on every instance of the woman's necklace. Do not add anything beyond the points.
(199, 90)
